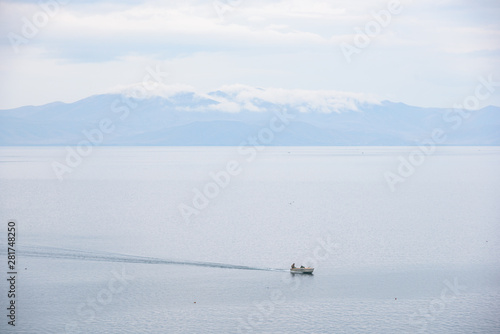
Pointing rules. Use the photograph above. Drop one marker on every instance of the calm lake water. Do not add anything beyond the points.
(200, 239)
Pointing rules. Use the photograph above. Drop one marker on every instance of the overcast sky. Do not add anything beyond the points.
(424, 53)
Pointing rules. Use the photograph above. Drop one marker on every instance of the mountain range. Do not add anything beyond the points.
(238, 115)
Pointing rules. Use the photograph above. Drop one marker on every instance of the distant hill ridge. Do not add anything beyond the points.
(243, 115)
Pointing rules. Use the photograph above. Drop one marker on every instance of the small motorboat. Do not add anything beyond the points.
(307, 270)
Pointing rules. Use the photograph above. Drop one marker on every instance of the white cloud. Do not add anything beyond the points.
(429, 55)
(325, 101)
(150, 89)
(237, 97)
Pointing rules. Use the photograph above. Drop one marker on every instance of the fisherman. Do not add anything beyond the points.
(293, 265)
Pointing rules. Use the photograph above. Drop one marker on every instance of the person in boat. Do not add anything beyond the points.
(293, 265)
(302, 267)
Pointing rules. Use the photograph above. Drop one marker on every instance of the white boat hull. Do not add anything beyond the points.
(302, 270)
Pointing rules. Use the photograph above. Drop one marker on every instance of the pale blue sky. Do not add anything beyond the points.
(430, 54)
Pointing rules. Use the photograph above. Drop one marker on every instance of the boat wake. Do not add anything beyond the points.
(79, 255)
